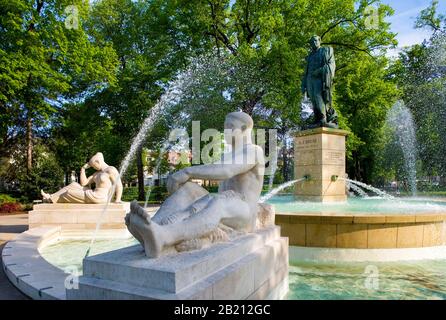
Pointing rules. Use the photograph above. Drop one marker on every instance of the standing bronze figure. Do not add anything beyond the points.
(318, 84)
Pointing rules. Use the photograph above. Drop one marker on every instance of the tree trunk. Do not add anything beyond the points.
(139, 165)
(358, 173)
(285, 164)
(29, 143)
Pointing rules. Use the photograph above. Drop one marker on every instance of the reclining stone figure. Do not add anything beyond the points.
(191, 213)
(103, 179)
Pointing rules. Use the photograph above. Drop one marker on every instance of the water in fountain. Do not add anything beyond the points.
(370, 188)
(273, 164)
(276, 190)
(357, 189)
(400, 119)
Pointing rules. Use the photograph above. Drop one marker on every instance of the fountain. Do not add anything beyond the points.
(399, 119)
(357, 189)
(226, 233)
(276, 190)
(379, 192)
(319, 154)
(321, 223)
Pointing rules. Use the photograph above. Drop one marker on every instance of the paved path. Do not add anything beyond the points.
(10, 227)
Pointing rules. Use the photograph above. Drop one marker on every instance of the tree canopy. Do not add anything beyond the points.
(77, 78)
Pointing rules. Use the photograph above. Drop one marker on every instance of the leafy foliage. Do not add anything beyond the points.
(66, 94)
(421, 75)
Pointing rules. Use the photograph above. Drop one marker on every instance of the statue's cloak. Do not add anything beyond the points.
(328, 72)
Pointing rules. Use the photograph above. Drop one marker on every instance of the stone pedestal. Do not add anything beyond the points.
(252, 266)
(70, 216)
(320, 154)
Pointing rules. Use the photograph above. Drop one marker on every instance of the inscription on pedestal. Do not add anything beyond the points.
(334, 157)
(308, 143)
(320, 154)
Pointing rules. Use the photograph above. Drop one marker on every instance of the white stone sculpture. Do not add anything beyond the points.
(104, 178)
(191, 217)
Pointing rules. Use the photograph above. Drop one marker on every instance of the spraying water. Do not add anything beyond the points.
(400, 119)
(276, 190)
(170, 98)
(185, 82)
(369, 187)
(273, 164)
(357, 189)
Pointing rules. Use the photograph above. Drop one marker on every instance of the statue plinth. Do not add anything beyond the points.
(319, 155)
(252, 266)
(72, 216)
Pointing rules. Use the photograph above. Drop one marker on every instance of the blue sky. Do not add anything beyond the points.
(403, 19)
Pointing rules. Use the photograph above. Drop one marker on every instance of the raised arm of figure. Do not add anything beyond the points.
(220, 171)
(228, 167)
(84, 181)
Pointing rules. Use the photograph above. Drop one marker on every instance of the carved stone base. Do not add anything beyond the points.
(320, 155)
(252, 266)
(78, 216)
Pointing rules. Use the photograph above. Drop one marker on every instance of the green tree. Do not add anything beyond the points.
(421, 75)
(151, 48)
(270, 38)
(45, 61)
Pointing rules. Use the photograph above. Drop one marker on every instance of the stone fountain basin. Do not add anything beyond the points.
(25, 264)
(364, 237)
(26, 268)
(315, 236)
(363, 231)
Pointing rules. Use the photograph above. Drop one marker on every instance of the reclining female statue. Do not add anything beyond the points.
(191, 212)
(104, 178)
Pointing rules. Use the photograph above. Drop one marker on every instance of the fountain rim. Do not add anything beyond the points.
(363, 231)
(24, 265)
(30, 272)
(359, 217)
(37, 278)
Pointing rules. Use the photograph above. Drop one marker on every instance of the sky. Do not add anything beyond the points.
(403, 20)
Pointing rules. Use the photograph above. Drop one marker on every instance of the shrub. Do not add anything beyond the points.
(4, 198)
(157, 195)
(211, 189)
(9, 207)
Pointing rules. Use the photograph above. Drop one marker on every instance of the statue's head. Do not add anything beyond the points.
(238, 125)
(315, 42)
(97, 161)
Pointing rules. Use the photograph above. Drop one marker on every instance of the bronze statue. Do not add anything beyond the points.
(318, 84)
